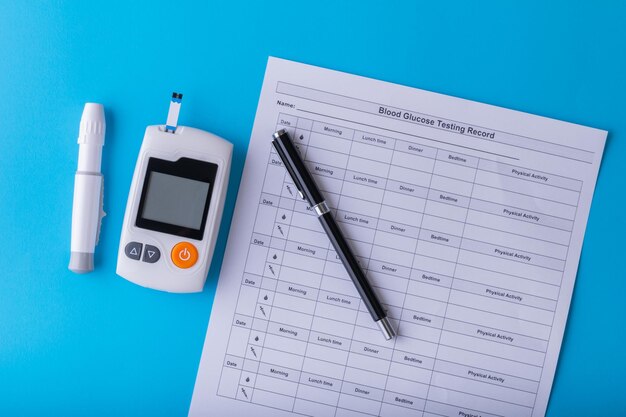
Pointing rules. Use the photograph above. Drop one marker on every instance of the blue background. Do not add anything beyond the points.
(98, 345)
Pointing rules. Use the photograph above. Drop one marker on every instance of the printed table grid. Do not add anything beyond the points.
(423, 237)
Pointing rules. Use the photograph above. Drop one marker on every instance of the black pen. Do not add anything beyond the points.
(308, 190)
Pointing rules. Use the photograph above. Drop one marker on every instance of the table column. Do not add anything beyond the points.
(438, 249)
(284, 320)
(505, 291)
(324, 360)
(361, 201)
(401, 219)
(247, 333)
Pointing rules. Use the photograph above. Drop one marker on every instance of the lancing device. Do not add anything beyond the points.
(87, 211)
(308, 190)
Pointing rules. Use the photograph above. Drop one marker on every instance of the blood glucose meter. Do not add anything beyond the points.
(174, 207)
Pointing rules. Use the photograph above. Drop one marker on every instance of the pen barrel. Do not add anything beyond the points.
(352, 266)
(86, 215)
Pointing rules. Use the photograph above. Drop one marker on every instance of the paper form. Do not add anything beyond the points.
(468, 219)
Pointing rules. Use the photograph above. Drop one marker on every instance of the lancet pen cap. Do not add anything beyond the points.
(92, 125)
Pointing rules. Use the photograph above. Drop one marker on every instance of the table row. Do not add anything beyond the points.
(318, 380)
(377, 147)
(389, 259)
(415, 185)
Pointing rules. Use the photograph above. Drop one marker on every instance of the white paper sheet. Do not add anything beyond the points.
(469, 220)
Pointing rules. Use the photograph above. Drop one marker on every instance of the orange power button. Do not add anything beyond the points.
(184, 255)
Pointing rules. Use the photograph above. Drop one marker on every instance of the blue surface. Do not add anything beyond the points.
(98, 345)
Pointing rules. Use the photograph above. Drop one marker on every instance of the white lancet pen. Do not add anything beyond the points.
(87, 210)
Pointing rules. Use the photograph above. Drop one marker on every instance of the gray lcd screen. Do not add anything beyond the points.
(175, 200)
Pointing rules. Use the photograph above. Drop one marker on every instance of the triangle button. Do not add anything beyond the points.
(133, 250)
(152, 254)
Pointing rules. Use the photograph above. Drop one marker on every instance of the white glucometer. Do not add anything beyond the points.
(174, 207)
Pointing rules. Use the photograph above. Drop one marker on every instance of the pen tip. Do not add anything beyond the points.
(386, 328)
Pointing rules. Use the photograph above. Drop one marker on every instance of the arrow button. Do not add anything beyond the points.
(151, 254)
(133, 250)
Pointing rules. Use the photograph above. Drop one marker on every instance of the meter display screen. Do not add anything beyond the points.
(175, 200)
(176, 196)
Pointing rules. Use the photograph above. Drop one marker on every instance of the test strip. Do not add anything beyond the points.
(172, 115)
